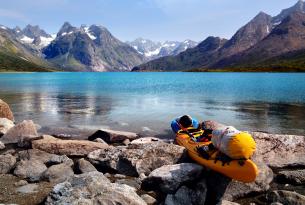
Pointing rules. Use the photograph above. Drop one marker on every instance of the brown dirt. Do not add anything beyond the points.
(9, 195)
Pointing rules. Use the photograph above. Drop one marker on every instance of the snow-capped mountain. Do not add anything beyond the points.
(91, 48)
(153, 50)
(33, 36)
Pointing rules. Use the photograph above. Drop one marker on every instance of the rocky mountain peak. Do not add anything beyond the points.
(298, 7)
(66, 28)
(34, 32)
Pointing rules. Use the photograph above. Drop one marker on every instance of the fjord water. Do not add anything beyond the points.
(147, 102)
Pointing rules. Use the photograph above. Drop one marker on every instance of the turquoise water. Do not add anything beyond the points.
(147, 102)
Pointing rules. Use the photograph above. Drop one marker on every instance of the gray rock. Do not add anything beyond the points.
(149, 199)
(7, 163)
(146, 140)
(169, 178)
(58, 173)
(44, 157)
(66, 147)
(296, 177)
(93, 188)
(21, 183)
(262, 183)
(2, 146)
(5, 111)
(28, 189)
(99, 140)
(185, 195)
(85, 166)
(112, 136)
(136, 159)
(286, 197)
(280, 150)
(61, 159)
(32, 170)
(132, 182)
(23, 133)
(5, 125)
(126, 142)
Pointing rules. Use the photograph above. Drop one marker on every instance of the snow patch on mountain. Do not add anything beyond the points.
(45, 41)
(153, 53)
(87, 31)
(27, 39)
(3, 27)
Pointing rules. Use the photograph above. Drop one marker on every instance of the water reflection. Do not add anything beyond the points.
(148, 102)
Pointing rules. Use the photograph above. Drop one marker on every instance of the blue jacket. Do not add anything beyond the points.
(176, 127)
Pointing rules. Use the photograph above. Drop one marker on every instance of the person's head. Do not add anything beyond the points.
(185, 121)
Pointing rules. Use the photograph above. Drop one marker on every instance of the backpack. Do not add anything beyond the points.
(233, 143)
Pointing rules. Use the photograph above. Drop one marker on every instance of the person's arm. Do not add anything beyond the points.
(175, 126)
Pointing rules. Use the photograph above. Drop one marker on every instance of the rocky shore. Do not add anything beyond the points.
(40, 166)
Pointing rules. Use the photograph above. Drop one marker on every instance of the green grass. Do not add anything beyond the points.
(10, 63)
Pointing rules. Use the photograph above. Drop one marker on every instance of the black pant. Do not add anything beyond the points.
(216, 187)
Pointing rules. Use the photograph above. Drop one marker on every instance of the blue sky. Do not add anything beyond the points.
(152, 19)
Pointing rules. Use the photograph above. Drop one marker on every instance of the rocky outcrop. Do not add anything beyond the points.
(136, 159)
(7, 163)
(44, 157)
(280, 150)
(296, 177)
(262, 183)
(31, 170)
(286, 197)
(5, 111)
(169, 178)
(111, 136)
(93, 188)
(195, 195)
(58, 173)
(149, 199)
(5, 125)
(66, 147)
(23, 133)
(84, 166)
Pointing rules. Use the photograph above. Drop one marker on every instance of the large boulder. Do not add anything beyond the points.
(7, 163)
(32, 170)
(169, 178)
(112, 136)
(93, 188)
(58, 173)
(5, 125)
(5, 111)
(262, 183)
(286, 197)
(296, 177)
(280, 150)
(195, 195)
(85, 166)
(66, 147)
(136, 159)
(44, 157)
(23, 133)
